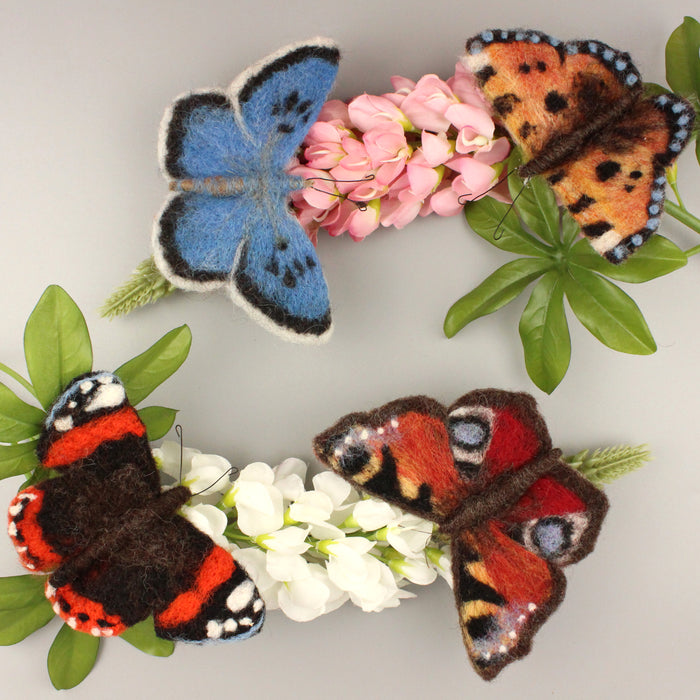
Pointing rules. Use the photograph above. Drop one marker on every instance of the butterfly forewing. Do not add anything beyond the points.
(399, 452)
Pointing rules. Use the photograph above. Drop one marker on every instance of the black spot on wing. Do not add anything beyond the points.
(583, 202)
(289, 280)
(481, 626)
(525, 130)
(629, 188)
(310, 262)
(636, 174)
(556, 177)
(524, 68)
(485, 74)
(290, 102)
(354, 459)
(473, 589)
(541, 66)
(597, 229)
(505, 104)
(555, 102)
(303, 106)
(285, 128)
(607, 169)
(273, 267)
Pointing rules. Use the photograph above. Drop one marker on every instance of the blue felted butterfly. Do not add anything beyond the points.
(228, 221)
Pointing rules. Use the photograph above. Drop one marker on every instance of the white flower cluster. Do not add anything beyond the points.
(308, 551)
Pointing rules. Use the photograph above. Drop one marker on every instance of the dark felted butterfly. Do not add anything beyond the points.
(484, 470)
(227, 222)
(112, 540)
(577, 111)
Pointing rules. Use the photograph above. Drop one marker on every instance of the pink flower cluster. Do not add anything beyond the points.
(426, 147)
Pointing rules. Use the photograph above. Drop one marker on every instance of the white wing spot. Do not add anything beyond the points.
(257, 605)
(107, 396)
(531, 607)
(72, 404)
(63, 424)
(240, 596)
(107, 632)
(214, 629)
(230, 625)
(394, 423)
(245, 622)
(21, 550)
(56, 608)
(85, 387)
(502, 649)
(16, 509)
(105, 379)
(12, 529)
(380, 431)
(72, 622)
(49, 591)
(96, 632)
(30, 566)
(364, 434)
(512, 634)
(348, 439)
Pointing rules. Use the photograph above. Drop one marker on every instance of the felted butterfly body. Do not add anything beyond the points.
(577, 111)
(111, 539)
(484, 470)
(227, 221)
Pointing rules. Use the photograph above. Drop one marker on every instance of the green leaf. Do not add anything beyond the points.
(18, 420)
(654, 89)
(483, 217)
(21, 591)
(144, 373)
(17, 624)
(56, 344)
(71, 657)
(17, 459)
(494, 292)
(143, 636)
(545, 333)
(569, 228)
(657, 257)
(158, 420)
(682, 59)
(534, 201)
(607, 312)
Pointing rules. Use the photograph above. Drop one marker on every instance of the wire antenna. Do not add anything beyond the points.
(362, 206)
(178, 431)
(228, 472)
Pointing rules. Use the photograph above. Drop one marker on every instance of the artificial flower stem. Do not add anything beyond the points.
(683, 215)
(692, 251)
(19, 379)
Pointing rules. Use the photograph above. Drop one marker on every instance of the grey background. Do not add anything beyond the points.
(84, 85)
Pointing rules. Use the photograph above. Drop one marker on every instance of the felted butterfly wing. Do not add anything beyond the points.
(507, 571)
(114, 545)
(615, 187)
(228, 222)
(90, 429)
(399, 452)
(575, 110)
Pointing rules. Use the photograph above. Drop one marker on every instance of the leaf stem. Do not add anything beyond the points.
(692, 251)
(19, 379)
(683, 215)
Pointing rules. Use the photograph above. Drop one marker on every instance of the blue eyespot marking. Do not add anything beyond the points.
(653, 224)
(487, 35)
(620, 65)
(654, 209)
(592, 47)
(631, 79)
(608, 54)
(637, 240)
(678, 107)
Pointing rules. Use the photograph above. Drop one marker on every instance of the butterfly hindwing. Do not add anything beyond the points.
(615, 187)
(399, 452)
(504, 593)
(278, 276)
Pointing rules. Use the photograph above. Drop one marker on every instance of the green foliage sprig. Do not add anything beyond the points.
(57, 348)
(564, 267)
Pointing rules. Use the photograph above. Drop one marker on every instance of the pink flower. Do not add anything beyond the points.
(436, 148)
(324, 148)
(474, 180)
(369, 111)
(494, 151)
(402, 85)
(388, 151)
(397, 213)
(319, 192)
(362, 222)
(422, 178)
(470, 119)
(335, 111)
(426, 105)
(463, 84)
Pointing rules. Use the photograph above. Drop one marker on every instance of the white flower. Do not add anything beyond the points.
(408, 534)
(441, 559)
(290, 540)
(305, 599)
(210, 520)
(415, 570)
(372, 514)
(254, 561)
(316, 508)
(289, 478)
(259, 504)
(168, 457)
(286, 567)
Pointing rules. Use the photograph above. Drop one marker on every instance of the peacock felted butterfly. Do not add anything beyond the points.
(227, 221)
(577, 111)
(111, 539)
(484, 470)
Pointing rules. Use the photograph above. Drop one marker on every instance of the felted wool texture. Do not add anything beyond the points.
(485, 471)
(576, 109)
(227, 222)
(114, 543)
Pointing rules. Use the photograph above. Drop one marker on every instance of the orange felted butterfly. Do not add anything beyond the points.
(577, 111)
